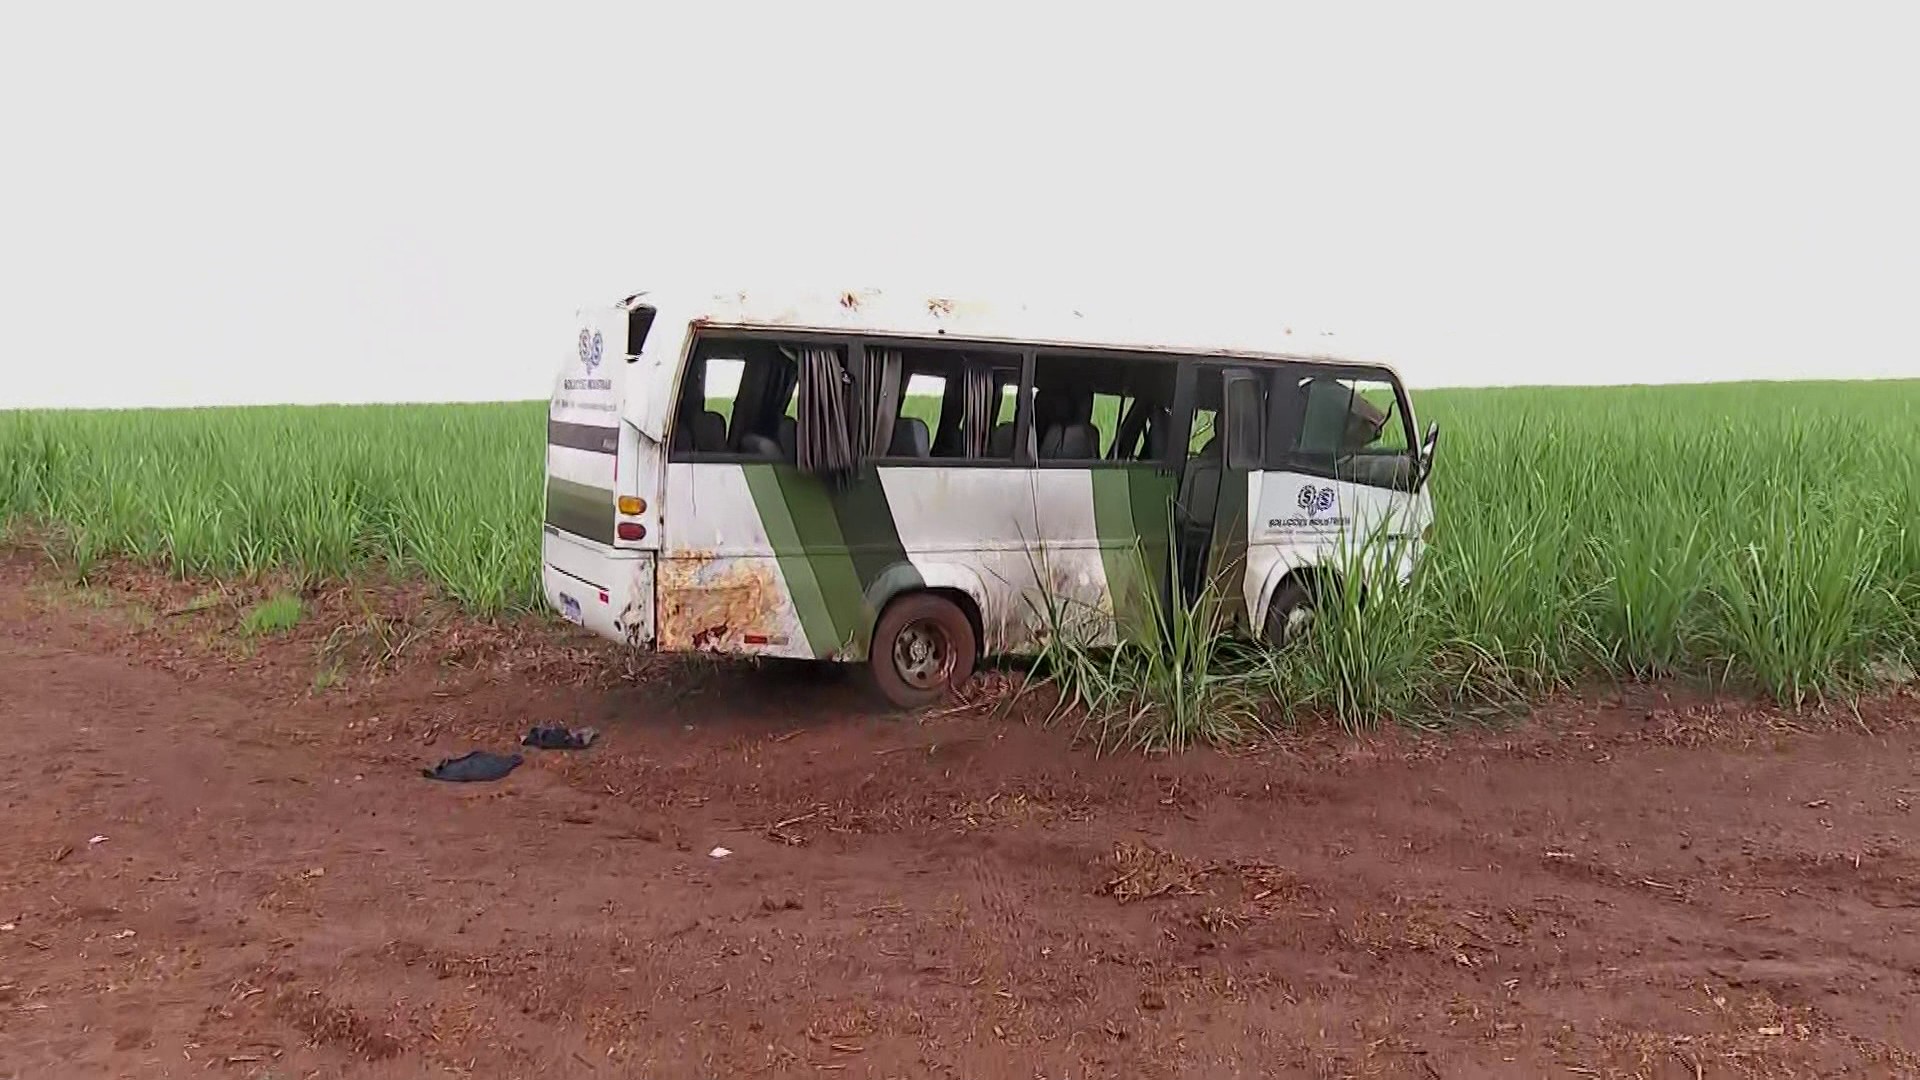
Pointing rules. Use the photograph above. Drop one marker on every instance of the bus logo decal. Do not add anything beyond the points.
(1316, 500)
(590, 348)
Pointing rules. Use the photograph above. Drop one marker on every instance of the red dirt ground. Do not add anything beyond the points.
(219, 863)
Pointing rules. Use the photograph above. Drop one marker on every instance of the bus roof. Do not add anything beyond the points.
(912, 314)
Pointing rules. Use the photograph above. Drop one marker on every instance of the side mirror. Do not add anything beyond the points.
(1427, 447)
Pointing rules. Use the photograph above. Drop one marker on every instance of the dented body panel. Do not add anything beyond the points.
(720, 587)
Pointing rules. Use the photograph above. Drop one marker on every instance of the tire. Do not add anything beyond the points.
(923, 647)
(1291, 612)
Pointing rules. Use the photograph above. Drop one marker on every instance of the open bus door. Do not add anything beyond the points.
(1229, 427)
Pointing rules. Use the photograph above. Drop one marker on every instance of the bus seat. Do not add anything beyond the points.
(1158, 421)
(1000, 442)
(1075, 438)
(910, 438)
(1199, 491)
(710, 433)
(1047, 416)
(1200, 486)
(760, 446)
(1079, 442)
(789, 439)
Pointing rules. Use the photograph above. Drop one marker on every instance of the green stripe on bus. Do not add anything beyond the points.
(1120, 553)
(796, 569)
(820, 542)
(866, 520)
(1227, 561)
(851, 547)
(581, 509)
(1150, 494)
(1130, 515)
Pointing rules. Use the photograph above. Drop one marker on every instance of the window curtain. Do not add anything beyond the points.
(825, 443)
(977, 421)
(880, 400)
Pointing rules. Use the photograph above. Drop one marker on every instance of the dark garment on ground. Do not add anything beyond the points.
(478, 765)
(555, 737)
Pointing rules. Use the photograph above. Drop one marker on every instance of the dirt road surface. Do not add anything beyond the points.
(221, 860)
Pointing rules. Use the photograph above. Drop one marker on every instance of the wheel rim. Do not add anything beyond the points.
(1299, 621)
(923, 654)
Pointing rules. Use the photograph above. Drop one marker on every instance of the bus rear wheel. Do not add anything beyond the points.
(923, 647)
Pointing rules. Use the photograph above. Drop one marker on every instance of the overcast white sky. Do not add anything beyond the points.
(406, 201)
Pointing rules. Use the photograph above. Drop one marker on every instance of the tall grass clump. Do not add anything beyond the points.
(1373, 654)
(452, 492)
(1175, 680)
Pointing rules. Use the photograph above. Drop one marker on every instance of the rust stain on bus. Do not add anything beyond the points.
(639, 599)
(709, 602)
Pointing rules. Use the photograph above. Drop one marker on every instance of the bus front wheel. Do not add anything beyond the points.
(923, 646)
(1291, 612)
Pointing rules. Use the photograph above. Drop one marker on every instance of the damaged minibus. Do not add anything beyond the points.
(914, 483)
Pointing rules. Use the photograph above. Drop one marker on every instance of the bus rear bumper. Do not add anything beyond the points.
(604, 590)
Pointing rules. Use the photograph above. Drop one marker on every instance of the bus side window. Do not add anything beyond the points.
(1377, 426)
(1351, 428)
(1360, 416)
(1102, 410)
(738, 398)
(955, 405)
(706, 402)
(1201, 435)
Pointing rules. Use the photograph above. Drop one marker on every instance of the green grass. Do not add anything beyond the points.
(277, 614)
(1189, 681)
(1770, 533)
(452, 492)
(1763, 534)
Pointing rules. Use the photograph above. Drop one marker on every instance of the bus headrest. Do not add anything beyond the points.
(909, 438)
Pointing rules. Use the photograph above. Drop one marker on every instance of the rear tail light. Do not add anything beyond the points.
(631, 530)
(631, 504)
